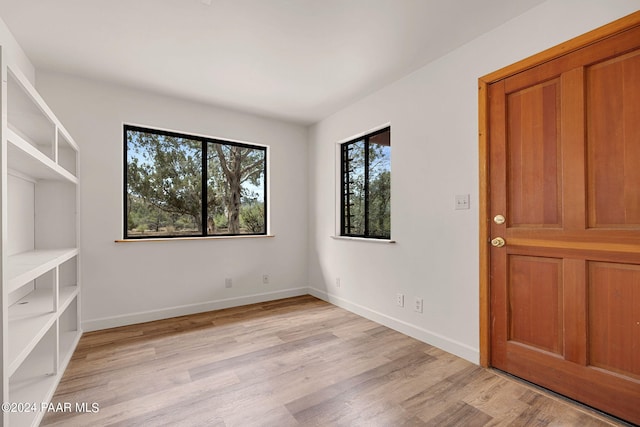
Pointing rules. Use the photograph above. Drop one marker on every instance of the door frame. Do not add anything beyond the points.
(608, 30)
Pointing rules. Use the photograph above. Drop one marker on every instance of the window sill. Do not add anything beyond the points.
(171, 239)
(363, 239)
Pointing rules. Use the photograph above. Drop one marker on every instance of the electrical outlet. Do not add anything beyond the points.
(417, 305)
(337, 282)
(400, 300)
(265, 279)
(228, 282)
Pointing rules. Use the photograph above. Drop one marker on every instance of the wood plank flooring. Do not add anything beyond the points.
(293, 362)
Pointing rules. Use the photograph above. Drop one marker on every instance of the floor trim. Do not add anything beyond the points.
(455, 347)
(459, 349)
(183, 310)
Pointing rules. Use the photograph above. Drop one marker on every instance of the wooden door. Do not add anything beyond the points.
(564, 172)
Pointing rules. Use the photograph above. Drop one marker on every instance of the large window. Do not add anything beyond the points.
(366, 186)
(179, 185)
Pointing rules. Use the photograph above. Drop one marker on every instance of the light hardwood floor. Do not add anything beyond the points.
(298, 361)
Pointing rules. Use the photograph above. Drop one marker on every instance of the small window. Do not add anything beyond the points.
(178, 185)
(366, 186)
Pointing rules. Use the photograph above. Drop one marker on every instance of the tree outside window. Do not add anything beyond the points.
(366, 186)
(164, 191)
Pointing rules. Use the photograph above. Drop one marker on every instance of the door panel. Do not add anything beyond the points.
(535, 299)
(533, 117)
(614, 313)
(613, 115)
(564, 155)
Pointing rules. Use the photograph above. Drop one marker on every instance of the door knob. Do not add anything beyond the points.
(498, 242)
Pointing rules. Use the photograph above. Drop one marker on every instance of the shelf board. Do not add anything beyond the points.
(32, 101)
(28, 323)
(37, 389)
(66, 296)
(68, 343)
(26, 116)
(27, 159)
(27, 107)
(27, 266)
(35, 382)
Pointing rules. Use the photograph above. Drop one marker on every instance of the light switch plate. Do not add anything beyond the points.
(462, 201)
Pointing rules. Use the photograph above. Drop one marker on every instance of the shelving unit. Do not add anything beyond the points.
(39, 249)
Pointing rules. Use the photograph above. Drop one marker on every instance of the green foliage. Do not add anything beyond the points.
(221, 221)
(377, 190)
(164, 181)
(230, 168)
(252, 217)
(380, 205)
(164, 184)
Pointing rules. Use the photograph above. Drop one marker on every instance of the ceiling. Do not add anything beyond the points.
(297, 60)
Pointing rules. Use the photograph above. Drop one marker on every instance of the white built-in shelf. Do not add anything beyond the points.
(34, 381)
(36, 378)
(39, 367)
(68, 342)
(27, 266)
(29, 319)
(28, 114)
(39, 145)
(66, 296)
(28, 160)
(67, 323)
(67, 156)
(39, 386)
(40, 265)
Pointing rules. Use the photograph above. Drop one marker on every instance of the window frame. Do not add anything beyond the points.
(343, 190)
(205, 141)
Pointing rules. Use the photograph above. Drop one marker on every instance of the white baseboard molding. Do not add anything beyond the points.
(444, 343)
(183, 310)
(459, 349)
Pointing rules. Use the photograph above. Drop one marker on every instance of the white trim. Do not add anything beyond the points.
(455, 347)
(213, 237)
(183, 310)
(363, 239)
(459, 349)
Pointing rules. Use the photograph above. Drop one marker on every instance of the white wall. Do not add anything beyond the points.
(433, 115)
(14, 53)
(131, 282)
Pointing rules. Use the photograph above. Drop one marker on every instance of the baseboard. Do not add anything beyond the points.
(183, 310)
(459, 349)
(444, 343)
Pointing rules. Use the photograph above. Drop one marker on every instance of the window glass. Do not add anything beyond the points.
(366, 186)
(354, 188)
(236, 187)
(164, 195)
(380, 186)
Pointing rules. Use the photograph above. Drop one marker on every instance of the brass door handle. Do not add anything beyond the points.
(498, 242)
